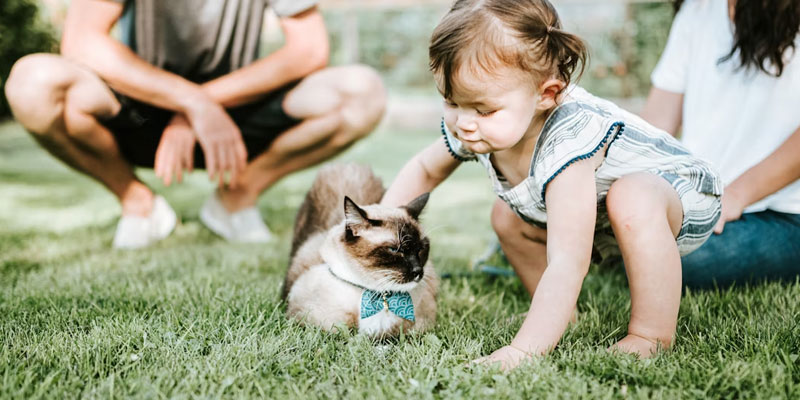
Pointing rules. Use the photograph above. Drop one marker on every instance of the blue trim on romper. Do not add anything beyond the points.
(450, 149)
(619, 124)
(619, 133)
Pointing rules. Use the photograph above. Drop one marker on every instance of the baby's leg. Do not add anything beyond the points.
(646, 216)
(524, 245)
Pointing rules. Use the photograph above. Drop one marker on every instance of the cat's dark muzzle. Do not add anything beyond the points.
(417, 273)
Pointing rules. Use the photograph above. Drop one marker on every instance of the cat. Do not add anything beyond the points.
(362, 266)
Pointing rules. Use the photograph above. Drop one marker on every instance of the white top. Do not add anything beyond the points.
(732, 117)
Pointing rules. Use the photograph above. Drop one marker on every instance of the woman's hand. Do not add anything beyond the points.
(732, 207)
(175, 151)
(509, 358)
(772, 174)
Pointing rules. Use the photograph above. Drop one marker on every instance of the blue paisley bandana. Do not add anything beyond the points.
(372, 302)
(398, 303)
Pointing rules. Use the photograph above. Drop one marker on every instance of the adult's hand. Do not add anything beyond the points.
(732, 207)
(175, 152)
(772, 174)
(220, 138)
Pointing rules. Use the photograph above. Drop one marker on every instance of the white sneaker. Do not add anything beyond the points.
(241, 226)
(134, 232)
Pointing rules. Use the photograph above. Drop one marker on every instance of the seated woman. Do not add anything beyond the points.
(730, 78)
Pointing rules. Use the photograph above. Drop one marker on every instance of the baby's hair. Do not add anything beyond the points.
(487, 34)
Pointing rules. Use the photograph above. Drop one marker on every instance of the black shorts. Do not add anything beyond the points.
(138, 126)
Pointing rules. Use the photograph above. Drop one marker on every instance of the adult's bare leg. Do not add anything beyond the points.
(58, 102)
(337, 107)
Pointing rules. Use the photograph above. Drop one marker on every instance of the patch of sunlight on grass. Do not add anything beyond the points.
(32, 207)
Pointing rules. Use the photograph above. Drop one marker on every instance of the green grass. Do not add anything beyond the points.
(197, 317)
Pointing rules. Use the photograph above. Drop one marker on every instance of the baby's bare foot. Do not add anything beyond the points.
(633, 344)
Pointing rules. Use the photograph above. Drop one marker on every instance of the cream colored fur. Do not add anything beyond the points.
(320, 299)
(313, 295)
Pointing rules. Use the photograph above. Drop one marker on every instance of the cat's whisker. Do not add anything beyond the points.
(383, 283)
(391, 280)
(428, 231)
(399, 232)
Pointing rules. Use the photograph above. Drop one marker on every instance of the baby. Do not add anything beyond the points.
(571, 171)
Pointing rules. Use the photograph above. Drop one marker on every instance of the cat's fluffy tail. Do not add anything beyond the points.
(323, 206)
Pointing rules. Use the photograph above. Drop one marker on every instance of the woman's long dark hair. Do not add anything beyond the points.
(765, 29)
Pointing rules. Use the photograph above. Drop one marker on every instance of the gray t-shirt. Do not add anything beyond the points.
(199, 39)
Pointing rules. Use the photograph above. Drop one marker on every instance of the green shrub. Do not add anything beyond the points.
(393, 41)
(624, 50)
(21, 32)
(624, 55)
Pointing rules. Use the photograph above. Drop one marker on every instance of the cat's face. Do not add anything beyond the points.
(386, 244)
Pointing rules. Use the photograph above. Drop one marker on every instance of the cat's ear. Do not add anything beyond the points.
(415, 207)
(353, 215)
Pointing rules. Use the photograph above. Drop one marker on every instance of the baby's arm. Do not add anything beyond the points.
(426, 170)
(571, 200)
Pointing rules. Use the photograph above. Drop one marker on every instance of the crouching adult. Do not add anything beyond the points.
(182, 87)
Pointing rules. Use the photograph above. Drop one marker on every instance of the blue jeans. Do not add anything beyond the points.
(758, 247)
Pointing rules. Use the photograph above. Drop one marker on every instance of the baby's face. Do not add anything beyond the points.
(490, 112)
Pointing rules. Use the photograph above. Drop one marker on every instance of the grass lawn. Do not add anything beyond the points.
(195, 316)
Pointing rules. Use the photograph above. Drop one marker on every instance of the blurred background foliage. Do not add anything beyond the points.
(625, 42)
(22, 32)
(625, 39)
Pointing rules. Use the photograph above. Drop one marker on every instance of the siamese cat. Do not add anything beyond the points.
(356, 263)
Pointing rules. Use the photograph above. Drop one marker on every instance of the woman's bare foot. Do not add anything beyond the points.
(634, 344)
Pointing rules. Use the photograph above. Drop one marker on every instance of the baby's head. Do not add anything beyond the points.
(486, 36)
(506, 61)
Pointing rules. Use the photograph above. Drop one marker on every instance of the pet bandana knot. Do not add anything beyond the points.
(398, 303)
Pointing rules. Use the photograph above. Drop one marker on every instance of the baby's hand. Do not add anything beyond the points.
(509, 358)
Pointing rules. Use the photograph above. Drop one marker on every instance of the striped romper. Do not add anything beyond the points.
(577, 129)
